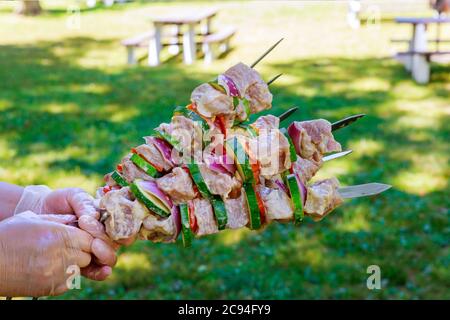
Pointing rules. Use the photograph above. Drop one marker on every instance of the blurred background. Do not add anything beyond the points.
(71, 107)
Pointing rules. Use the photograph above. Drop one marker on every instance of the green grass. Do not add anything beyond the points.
(70, 108)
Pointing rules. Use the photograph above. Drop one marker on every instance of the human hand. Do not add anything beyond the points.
(35, 252)
(75, 201)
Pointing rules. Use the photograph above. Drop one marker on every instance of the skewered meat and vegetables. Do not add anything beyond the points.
(209, 169)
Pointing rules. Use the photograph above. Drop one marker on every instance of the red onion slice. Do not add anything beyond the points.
(229, 85)
(222, 163)
(282, 186)
(217, 167)
(151, 187)
(295, 134)
(302, 188)
(228, 163)
(163, 146)
(175, 215)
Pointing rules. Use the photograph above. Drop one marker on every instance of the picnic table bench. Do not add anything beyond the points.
(183, 34)
(418, 57)
(221, 38)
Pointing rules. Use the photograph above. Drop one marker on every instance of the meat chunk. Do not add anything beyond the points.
(124, 214)
(109, 181)
(277, 203)
(271, 149)
(275, 182)
(237, 211)
(189, 135)
(259, 97)
(204, 215)
(152, 151)
(268, 122)
(218, 183)
(306, 169)
(131, 172)
(251, 86)
(242, 113)
(187, 132)
(312, 139)
(322, 198)
(178, 185)
(210, 101)
(157, 229)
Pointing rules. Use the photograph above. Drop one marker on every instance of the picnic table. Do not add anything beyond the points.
(418, 56)
(185, 25)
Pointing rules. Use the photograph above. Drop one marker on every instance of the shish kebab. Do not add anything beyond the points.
(244, 175)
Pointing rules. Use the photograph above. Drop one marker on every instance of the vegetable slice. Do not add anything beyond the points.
(165, 136)
(220, 212)
(217, 86)
(253, 207)
(144, 165)
(198, 180)
(229, 85)
(292, 151)
(296, 197)
(190, 114)
(186, 232)
(154, 199)
(119, 179)
(241, 159)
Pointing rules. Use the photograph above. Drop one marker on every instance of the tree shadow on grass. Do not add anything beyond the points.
(50, 103)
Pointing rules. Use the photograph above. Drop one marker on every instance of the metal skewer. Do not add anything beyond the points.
(346, 121)
(287, 113)
(363, 190)
(273, 79)
(265, 53)
(336, 155)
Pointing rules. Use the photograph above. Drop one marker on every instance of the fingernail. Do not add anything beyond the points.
(107, 270)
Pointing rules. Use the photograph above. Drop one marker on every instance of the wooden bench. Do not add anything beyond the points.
(138, 41)
(221, 39)
(142, 41)
(209, 42)
(418, 63)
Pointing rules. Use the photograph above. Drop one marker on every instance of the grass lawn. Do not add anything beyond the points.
(70, 109)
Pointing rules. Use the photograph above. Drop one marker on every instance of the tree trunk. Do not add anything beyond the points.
(30, 8)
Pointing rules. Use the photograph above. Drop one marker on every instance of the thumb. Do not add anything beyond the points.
(67, 219)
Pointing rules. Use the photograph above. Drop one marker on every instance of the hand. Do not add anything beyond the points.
(35, 252)
(75, 201)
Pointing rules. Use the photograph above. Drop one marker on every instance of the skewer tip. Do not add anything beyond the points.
(274, 79)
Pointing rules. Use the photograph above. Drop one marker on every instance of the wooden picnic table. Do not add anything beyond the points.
(185, 25)
(417, 58)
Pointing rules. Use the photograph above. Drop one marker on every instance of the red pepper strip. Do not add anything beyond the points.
(106, 189)
(192, 220)
(262, 209)
(255, 170)
(221, 123)
(160, 169)
(186, 169)
(119, 168)
(191, 107)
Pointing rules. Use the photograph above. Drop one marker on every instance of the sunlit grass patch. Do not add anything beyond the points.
(356, 220)
(366, 147)
(61, 108)
(419, 183)
(133, 262)
(370, 84)
(232, 237)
